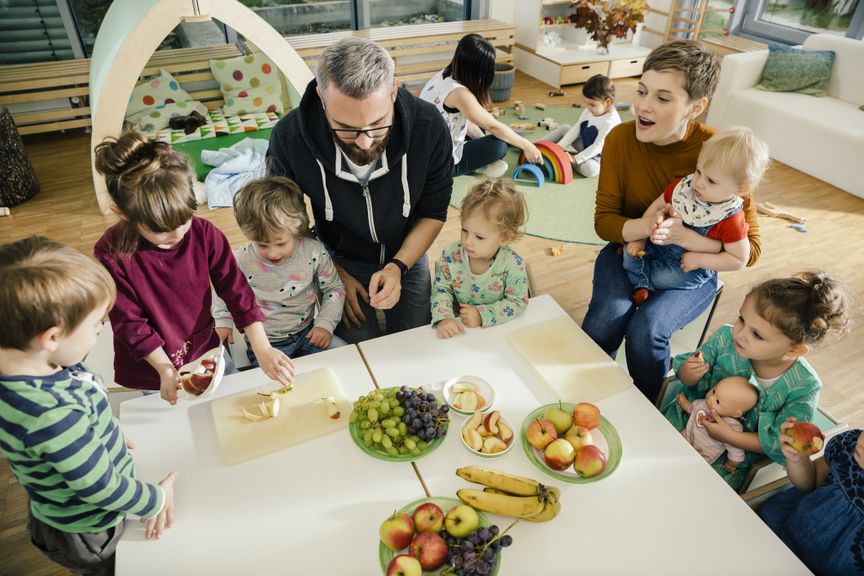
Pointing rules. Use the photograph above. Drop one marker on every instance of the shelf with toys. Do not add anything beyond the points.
(552, 49)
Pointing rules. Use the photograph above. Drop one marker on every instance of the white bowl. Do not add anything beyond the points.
(217, 354)
(483, 387)
(465, 426)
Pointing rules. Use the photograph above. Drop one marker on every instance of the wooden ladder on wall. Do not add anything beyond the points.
(684, 20)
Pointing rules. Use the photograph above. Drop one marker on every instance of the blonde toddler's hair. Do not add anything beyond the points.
(502, 204)
(738, 151)
(266, 209)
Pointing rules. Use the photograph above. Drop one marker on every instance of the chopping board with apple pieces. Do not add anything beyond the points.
(568, 361)
(302, 416)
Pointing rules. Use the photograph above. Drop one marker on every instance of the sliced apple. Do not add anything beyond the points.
(274, 407)
(491, 421)
(464, 387)
(493, 445)
(475, 441)
(481, 401)
(252, 417)
(469, 401)
(332, 408)
(505, 433)
(474, 420)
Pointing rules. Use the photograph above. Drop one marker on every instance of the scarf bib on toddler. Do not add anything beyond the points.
(699, 213)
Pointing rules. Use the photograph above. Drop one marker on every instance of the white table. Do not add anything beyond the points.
(663, 511)
(313, 508)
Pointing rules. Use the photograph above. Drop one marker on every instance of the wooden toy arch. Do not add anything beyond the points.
(133, 29)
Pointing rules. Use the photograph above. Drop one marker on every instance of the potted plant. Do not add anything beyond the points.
(606, 20)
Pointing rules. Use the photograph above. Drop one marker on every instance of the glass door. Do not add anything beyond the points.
(792, 21)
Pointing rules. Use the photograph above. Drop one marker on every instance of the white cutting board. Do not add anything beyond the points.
(568, 361)
(302, 416)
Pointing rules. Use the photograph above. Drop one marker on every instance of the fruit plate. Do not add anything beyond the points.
(482, 387)
(385, 554)
(605, 437)
(357, 432)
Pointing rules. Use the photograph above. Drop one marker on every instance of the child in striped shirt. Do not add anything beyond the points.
(56, 427)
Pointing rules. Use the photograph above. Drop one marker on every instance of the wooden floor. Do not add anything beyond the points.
(66, 210)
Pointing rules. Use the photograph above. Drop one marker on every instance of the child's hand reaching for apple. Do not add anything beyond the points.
(470, 315)
(693, 369)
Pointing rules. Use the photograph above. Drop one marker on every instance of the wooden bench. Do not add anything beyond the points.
(419, 50)
(723, 45)
(59, 92)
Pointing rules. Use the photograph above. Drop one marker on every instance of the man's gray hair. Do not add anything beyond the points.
(355, 66)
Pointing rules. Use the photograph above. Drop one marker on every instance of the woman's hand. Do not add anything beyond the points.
(670, 229)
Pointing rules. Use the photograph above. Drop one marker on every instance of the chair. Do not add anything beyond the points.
(100, 360)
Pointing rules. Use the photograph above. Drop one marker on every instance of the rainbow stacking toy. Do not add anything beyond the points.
(556, 162)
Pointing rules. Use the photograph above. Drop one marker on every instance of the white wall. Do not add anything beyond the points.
(503, 10)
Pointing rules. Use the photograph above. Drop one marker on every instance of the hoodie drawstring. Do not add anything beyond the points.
(406, 194)
(328, 204)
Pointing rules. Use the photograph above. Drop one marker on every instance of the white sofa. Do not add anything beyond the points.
(822, 136)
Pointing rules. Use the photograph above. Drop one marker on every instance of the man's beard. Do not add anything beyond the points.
(360, 156)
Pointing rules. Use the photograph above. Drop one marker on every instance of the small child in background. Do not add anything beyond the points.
(56, 428)
(730, 400)
(822, 518)
(481, 274)
(777, 324)
(163, 260)
(730, 166)
(596, 121)
(289, 273)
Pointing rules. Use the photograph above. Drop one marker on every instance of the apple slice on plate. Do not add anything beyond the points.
(467, 394)
(202, 377)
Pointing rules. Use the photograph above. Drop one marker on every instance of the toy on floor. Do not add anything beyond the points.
(557, 158)
(532, 170)
(769, 209)
(555, 250)
(540, 106)
(519, 107)
(496, 111)
(799, 227)
(522, 127)
(548, 123)
(556, 93)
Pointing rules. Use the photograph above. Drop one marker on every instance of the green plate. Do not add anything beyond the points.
(609, 436)
(357, 437)
(385, 554)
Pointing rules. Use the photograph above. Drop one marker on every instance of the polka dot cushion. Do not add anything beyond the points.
(156, 92)
(249, 84)
(152, 119)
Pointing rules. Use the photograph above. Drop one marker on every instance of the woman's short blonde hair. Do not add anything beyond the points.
(268, 208)
(502, 204)
(45, 285)
(738, 151)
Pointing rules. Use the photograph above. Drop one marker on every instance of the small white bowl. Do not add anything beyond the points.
(465, 427)
(483, 387)
(195, 367)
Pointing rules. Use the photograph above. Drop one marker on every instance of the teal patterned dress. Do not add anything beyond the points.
(795, 393)
(499, 294)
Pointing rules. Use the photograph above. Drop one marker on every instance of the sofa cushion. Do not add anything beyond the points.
(847, 80)
(249, 84)
(156, 92)
(791, 69)
(823, 137)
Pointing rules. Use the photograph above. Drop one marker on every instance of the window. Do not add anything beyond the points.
(718, 15)
(791, 21)
(292, 17)
(88, 15)
(388, 13)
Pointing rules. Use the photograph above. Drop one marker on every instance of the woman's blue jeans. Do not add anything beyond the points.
(612, 316)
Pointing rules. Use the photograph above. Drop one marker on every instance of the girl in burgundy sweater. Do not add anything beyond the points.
(163, 260)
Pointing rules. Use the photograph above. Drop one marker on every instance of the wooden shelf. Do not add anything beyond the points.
(551, 26)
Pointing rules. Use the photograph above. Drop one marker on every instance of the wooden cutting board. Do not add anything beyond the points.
(302, 417)
(568, 361)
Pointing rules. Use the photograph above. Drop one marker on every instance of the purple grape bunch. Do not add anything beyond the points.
(477, 553)
(423, 416)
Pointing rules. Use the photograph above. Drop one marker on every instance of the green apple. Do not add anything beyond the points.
(461, 520)
(559, 417)
(397, 531)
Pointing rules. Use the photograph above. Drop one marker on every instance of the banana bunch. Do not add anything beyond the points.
(508, 495)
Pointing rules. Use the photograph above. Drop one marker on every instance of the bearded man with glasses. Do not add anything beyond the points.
(376, 163)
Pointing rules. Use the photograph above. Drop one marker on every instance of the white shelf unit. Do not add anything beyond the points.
(574, 59)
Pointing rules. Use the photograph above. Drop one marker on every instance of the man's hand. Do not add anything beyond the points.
(165, 518)
(449, 327)
(385, 287)
(470, 315)
(225, 334)
(319, 337)
(353, 316)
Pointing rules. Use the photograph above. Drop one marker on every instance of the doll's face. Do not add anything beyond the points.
(731, 397)
(859, 450)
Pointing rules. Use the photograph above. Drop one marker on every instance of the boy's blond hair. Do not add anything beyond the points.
(45, 285)
(266, 209)
(502, 204)
(738, 151)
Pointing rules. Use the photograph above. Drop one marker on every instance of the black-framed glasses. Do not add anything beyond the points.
(376, 133)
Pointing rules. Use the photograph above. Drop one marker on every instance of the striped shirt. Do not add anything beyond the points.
(67, 450)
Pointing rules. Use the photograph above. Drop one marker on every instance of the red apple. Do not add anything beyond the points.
(397, 531)
(589, 461)
(586, 415)
(806, 438)
(541, 433)
(196, 383)
(559, 454)
(505, 433)
(428, 517)
(491, 422)
(404, 565)
(430, 549)
(579, 437)
(209, 364)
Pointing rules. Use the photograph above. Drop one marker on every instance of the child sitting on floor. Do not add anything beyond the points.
(56, 428)
(594, 124)
(730, 165)
(290, 273)
(730, 400)
(777, 324)
(481, 274)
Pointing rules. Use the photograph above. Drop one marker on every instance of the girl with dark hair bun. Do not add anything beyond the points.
(778, 323)
(164, 259)
(461, 94)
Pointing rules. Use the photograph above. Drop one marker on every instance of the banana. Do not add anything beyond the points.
(499, 480)
(554, 493)
(502, 504)
(550, 510)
